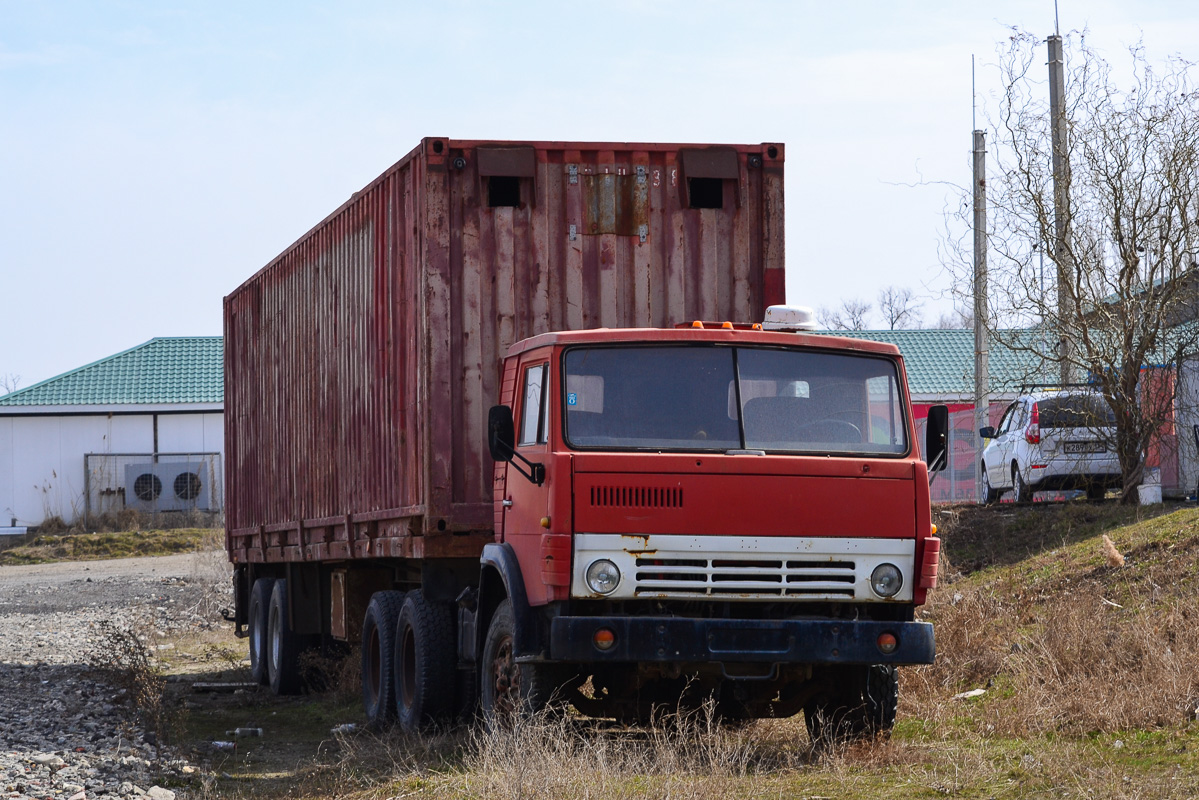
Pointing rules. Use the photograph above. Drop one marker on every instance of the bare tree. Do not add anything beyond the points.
(899, 308)
(9, 382)
(954, 320)
(852, 315)
(1132, 229)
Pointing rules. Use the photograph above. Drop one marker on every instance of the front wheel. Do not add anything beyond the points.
(860, 703)
(509, 688)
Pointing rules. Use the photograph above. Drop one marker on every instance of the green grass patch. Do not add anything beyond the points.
(46, 548)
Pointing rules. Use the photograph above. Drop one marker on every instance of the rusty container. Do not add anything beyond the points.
(360, 363)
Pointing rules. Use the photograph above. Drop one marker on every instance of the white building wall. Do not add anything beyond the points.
(42, 457)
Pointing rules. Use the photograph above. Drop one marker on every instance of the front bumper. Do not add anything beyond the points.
(794, 641)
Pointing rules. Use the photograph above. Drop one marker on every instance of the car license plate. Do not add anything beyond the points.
(1084, 447)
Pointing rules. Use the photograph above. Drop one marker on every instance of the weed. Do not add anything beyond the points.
(121, 659)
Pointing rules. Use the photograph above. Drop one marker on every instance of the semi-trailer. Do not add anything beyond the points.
(520, 420)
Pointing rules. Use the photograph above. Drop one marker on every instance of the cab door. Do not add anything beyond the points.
(525, 502)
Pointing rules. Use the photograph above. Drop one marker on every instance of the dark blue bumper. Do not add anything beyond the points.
(726, 640)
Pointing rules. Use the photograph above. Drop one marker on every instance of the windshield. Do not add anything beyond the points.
(709, 397)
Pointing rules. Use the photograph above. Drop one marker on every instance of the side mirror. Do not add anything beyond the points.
(501, 441)
(501, 433)
(936, 438)
(987, 432)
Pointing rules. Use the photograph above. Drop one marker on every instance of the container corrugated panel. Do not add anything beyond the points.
(361, 362)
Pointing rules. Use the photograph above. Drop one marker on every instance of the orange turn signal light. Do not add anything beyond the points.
(604, 639)
(887, 643)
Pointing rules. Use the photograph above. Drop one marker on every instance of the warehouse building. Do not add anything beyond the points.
(142, 429)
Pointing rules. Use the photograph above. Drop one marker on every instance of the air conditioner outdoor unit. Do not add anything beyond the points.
(169, 486)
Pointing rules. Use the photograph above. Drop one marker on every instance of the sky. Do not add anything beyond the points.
(153, 154)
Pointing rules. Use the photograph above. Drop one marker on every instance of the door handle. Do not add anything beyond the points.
(506, 503)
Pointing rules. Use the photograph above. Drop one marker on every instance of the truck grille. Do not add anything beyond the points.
(742, 568)
(730, 576)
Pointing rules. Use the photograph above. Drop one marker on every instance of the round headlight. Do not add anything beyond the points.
(886, 580)
(602, 576)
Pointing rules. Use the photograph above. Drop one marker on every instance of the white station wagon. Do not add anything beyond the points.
(1052, 439)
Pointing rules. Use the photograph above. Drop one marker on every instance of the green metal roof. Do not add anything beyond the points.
(187, 369)
(941, 362)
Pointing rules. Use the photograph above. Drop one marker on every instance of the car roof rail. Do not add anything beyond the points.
(1026, 387)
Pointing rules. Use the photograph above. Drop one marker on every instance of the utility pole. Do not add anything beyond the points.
(1061, 205)
(981, 367)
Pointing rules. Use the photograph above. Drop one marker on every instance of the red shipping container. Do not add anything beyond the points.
(360, 363)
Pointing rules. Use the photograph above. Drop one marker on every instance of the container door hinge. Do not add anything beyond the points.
(573, 171)
(643, 232)
(574, 233)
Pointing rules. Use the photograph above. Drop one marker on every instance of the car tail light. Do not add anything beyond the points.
(1033, 432)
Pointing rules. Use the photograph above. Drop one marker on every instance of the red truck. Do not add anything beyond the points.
(653, 513)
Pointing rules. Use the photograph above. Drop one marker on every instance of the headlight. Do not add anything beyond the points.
(603, 576)
(886, 580)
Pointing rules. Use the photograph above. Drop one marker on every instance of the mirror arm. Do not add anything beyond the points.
(934, 467)
(536, 471)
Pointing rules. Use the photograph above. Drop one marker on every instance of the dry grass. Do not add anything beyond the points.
(121, 659)
(1091, 672)
(129, 519)
(46, 548)
(1067, 643)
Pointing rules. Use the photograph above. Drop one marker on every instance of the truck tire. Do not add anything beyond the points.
(508, 688)
(426, 662)
(862, 705)
(283, 645)
(378, 657)
(259, 614)
(466, 695)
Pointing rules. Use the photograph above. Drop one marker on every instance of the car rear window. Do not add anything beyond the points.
(1075, 411)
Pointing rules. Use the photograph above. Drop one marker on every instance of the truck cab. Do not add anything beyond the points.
(704, 512)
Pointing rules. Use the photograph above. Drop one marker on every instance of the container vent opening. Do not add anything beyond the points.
(503, 191)
(705, 193)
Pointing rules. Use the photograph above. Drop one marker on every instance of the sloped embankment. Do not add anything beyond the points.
(1064, 638)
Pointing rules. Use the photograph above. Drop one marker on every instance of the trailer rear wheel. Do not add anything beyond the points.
(378, 657)
(283, 645)
(861, 704)
(260, 603)
(425, 662)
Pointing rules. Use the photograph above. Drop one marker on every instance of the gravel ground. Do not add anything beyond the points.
(62, 734)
